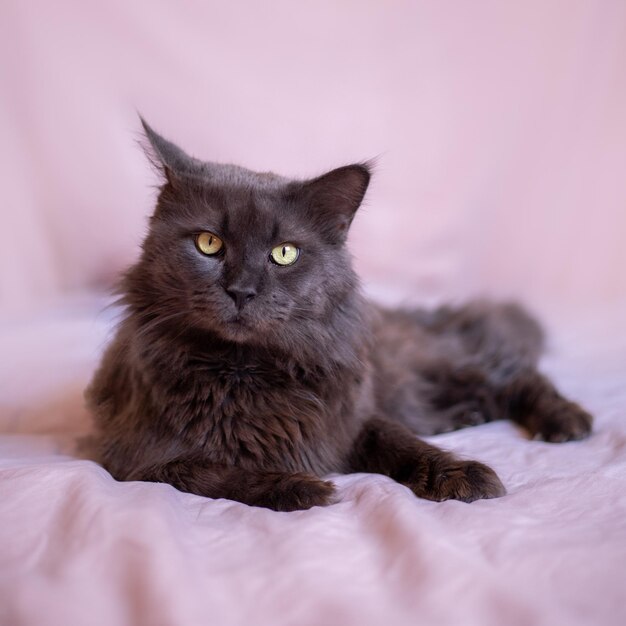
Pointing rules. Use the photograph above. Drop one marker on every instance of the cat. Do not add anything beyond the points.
(249, 365)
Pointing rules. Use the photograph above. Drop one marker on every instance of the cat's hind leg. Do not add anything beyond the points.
(498, 376)
(468, 395)
(503, 344)
(440, 369)
(459, 396)
(532, 401)
(454, 367)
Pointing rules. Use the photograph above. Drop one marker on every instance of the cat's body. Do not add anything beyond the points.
(232, 376)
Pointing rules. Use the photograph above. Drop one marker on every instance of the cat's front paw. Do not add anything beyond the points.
(565, 421)
(298, 492)
(461, 480)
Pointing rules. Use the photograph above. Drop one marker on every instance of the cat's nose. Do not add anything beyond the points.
(241, 294)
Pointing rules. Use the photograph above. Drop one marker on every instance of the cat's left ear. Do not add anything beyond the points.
(167, 157)
(333, 199)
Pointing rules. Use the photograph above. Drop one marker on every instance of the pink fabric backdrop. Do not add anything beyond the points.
(499, 127)
(501, 134)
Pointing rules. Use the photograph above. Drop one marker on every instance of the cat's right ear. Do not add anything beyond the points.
(334, 197)
(167, 158)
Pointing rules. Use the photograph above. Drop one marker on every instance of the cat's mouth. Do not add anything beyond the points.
(237, 326)
(243, 326)
(238, 320)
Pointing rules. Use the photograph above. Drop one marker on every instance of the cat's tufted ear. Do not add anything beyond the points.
(333, 199)
(167, 157)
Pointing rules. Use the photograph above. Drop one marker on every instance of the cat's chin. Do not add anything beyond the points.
(238, 330)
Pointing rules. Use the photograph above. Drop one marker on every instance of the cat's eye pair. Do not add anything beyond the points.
(283, 254)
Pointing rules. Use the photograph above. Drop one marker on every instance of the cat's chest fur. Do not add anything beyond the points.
(237, 407)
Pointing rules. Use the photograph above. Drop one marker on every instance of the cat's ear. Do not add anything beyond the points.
(166, 157)
(334, 197)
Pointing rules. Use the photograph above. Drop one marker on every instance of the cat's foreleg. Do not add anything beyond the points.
(389, 448)
(279, 491)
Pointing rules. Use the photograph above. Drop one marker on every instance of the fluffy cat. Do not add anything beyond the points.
(249, 366)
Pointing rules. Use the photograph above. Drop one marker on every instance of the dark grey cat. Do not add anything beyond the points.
(249, 366)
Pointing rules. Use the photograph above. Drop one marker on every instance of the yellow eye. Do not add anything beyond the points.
(208, 243)
(285, 254)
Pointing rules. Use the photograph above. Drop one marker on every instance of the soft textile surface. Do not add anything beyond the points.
(78, 548)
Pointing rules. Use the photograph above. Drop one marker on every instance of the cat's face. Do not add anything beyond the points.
(248, 256)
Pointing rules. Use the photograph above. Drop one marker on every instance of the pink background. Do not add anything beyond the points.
(500, 130)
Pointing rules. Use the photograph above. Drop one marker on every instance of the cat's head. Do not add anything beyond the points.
(252, 257)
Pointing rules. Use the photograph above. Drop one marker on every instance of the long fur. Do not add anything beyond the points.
(258, 401)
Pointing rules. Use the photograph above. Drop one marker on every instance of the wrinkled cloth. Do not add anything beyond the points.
(79, 548)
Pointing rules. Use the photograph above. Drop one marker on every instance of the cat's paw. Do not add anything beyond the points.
(565, 421)
(300, 492)
(462, 480)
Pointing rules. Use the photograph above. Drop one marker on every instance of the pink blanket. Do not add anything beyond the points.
(76, 547)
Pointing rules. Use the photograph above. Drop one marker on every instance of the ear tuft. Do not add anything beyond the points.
(166, 156)
(334, 198)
